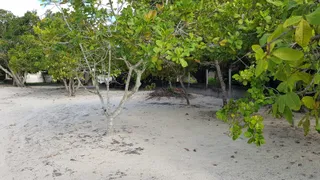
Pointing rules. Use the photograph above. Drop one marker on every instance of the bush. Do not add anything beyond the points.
(213, 81)
(150, 87)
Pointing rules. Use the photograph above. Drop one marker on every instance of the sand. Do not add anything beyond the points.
(46, 135)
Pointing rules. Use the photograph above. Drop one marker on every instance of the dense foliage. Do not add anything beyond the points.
(20, 52)
(290, 56)
(277, 41)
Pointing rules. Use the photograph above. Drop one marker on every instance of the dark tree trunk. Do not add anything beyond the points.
(185, 93)
(222, 84)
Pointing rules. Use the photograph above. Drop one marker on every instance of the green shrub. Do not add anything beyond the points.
(150, 87)
(212, 81)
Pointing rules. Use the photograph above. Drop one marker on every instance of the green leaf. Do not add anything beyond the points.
(275, 60)
(293, 101)
(221, 115)
(301, 121)
(317, 79)
(276, 3)
(308, 101)
(288, 115)
(154, 59)
(272, 66)
(292, 21)
(314, 17)
(251, 140)
(303, 33)
(283, 87)
(306, 126)
(156, 50)
(282, 72)
(263, 39)
(288, 54)
(299, 2)
(317, 126)
(183, 62)
(262, 66)
(274, 109)
(257, 49)
(298, 76)
(281, 102)
(280, 29)
(159, 43)
(305, 77)
(247, 134)
(259, 52)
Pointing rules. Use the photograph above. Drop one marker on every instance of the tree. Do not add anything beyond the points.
(142, 36)
(229, 28)
(25, 57)
(6, 18)
(19, 50)
(175, 41)
(63, 56)
(289, 55)
(91, 29)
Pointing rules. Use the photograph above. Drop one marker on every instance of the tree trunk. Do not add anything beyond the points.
(43, 77)
(18, 80)
(65, 84)
(71, 87)
(185, 93)
(222, 84)
(127, 95)
(108, 81)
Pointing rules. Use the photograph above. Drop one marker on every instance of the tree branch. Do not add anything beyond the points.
(6, 71)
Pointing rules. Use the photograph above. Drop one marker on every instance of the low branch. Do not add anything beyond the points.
(6, 71)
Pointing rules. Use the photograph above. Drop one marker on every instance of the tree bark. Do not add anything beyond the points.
(185, 93)
(65, 84)
(18, 80)
(108, 81)
(222, 84)
(70, 86)
(127, 95)
(170, 85)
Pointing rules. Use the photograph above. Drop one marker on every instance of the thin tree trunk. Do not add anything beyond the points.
(108, 81)
(222, 84)
(79, 84)
(43, 77)
(96, 85)
(186, 96)
(127, 95)
(170, 84)
(70, 87)
(65, 84)
(25, 76)
(73, 90)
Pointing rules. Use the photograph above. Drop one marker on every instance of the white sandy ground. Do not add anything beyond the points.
(46, 135)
